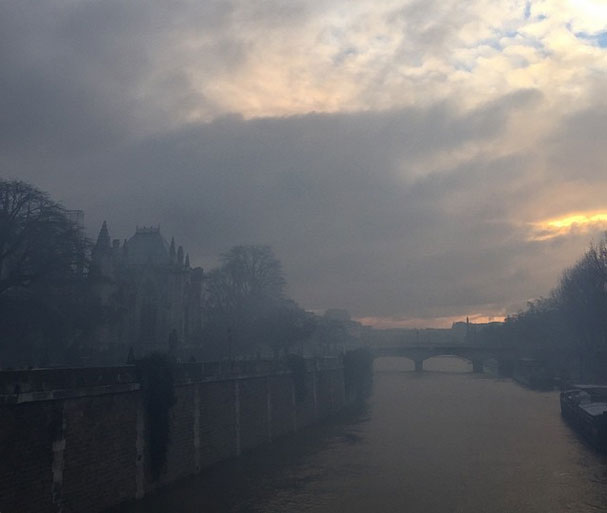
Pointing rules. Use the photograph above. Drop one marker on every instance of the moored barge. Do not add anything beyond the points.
(584, 407)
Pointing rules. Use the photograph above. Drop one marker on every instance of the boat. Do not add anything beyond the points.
(584, 407)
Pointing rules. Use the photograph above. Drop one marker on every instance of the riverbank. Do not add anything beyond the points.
(78, 440)
(428, 443)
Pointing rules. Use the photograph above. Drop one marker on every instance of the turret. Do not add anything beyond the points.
(102, 250)
(102, 264)
(103, 239)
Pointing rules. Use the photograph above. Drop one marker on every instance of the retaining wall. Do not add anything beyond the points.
(84, 448)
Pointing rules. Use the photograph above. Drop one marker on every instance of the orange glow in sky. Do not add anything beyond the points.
(583, 221)
(419, 323)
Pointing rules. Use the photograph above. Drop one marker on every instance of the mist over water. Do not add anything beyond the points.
(222, 190)
(445, 440)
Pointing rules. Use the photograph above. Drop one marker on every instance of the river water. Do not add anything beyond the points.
(444, 440)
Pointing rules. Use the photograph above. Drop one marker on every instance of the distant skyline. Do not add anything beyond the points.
(414, 162)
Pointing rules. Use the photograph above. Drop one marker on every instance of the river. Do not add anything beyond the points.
(444, 440)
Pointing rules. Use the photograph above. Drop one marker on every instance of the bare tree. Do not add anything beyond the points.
(38, 240)
(253, 272)
(246, 307)
(582, 300)
(568, 329)
(42, 287)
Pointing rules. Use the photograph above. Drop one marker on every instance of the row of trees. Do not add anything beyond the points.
(568, 329)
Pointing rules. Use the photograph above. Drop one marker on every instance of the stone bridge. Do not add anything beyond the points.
(476, 354)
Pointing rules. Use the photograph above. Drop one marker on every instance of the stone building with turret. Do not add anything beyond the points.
(148, 296)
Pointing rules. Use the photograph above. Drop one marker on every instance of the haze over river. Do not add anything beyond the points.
(441, 441)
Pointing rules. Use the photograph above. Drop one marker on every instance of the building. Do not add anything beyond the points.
(147, 295)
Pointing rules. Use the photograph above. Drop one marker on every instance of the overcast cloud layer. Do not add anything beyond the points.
(414, 163)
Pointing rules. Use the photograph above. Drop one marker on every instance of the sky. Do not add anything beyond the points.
(414, 162)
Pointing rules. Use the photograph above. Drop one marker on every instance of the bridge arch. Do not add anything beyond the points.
(420, 353)
(450, 362)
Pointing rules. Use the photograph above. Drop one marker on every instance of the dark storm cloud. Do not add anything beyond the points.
(578, 149)
(333, 194)
(88, 75)
(404, 212)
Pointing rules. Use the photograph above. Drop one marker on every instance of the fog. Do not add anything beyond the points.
(288, 246)
(381, 159)
(430, 442)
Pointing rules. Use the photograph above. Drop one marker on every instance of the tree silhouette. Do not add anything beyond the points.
(568, 330)
(246, 308)
(38, 241)
(42, 288)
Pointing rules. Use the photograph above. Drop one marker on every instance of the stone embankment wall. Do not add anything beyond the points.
(74, 440)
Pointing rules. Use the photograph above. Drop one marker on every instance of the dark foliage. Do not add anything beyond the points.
(155, 374)
(245, 307)
(43, 301)
(39, 243)
(567, 331)
(283, 327)
(358, 373)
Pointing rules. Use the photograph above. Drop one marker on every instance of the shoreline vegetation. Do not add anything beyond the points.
(562, 337)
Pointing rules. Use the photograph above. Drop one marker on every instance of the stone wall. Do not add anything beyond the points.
(84, 448)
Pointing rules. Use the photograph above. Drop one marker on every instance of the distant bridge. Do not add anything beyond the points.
(476, 354)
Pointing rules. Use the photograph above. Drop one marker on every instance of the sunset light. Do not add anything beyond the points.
(580, 222)
(223, 222)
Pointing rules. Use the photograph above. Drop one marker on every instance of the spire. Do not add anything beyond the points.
(101, 255)
(103, 239)
(187, 260)
(172, 249)
(180, 255)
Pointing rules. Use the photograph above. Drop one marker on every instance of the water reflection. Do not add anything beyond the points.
(427, 442)
(434, 364)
